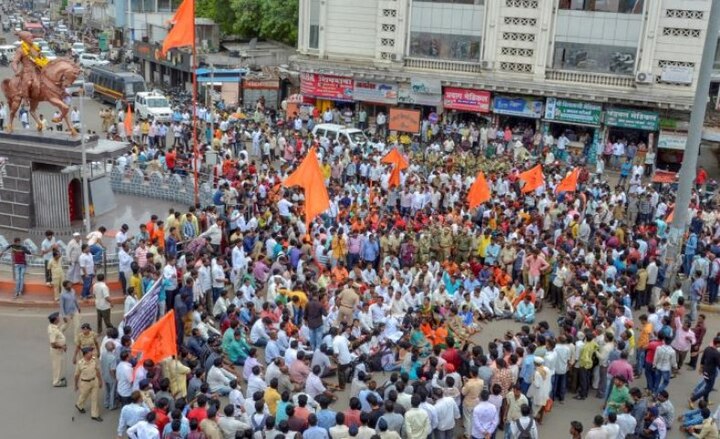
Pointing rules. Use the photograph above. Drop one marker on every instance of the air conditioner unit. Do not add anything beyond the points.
(644, 78)
(486, 65)
(396, 57)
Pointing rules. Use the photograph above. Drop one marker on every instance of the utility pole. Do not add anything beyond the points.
(692, 148)
(128, 37)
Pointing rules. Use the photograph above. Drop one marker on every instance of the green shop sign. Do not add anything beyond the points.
(634, 119)
(584, 113)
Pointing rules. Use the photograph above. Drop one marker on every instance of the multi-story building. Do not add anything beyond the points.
(598, 69)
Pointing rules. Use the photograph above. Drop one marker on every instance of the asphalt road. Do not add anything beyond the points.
(32, 408)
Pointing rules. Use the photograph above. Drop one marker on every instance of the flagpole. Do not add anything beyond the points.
(194, 119)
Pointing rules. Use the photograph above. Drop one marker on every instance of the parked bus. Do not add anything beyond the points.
(111, 85)
(36, 29)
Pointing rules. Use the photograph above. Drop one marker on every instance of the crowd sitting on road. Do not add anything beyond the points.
(386, 292)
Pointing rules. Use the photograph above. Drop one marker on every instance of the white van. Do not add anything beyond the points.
(8, 50)
(153, 104)
(351, 136)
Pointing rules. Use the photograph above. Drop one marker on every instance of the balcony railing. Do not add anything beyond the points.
(590, 78)
(443, 65)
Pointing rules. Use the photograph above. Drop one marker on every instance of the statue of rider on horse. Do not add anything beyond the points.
(38, 79)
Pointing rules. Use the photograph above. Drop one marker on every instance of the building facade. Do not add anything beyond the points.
(601, 68)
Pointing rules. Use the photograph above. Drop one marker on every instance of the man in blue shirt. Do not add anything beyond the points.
(313, 431)
(370, 251)
(325, 416)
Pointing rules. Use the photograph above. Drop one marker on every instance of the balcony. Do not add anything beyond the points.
(590, 78)
(443, 65)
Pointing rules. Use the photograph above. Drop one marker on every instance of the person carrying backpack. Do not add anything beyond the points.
(525, 426)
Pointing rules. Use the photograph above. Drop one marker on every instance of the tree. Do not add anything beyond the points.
(269, 19)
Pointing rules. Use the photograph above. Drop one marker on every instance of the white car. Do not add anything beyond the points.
(91, 60)
(61, 28)
(49, 54)
(153, 105)
(77, 49)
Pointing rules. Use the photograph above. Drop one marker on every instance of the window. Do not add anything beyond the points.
(457, 2)
(594, 58)
(444, 46)
(716, 64)
(613, 6)
(314, 34)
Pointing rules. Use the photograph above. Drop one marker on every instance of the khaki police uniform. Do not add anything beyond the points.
(57, 354)
(87, 371)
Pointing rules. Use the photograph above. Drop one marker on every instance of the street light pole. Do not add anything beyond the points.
(692, 148)
(85, 176)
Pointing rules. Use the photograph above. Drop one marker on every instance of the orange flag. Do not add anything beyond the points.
(394, 177)
(671, 215)
(159, 341)
(128, 122)
(533, 179)
(182, 33)
(309, 177)
(569, 183)
(395, 158)
(479, 191)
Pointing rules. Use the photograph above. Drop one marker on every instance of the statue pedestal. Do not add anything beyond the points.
(41, 176)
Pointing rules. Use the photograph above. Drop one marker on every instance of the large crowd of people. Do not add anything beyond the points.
(378, 302)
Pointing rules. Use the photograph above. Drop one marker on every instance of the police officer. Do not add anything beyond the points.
(87, 338)
(88, 381)
(58, 347)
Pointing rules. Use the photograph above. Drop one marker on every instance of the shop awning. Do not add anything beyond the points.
(664, 176)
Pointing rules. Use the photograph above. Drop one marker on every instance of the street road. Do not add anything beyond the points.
(32, 408)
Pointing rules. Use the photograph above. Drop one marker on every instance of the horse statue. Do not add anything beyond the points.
(53, 78)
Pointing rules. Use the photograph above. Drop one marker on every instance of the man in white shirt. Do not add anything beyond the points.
(219, 379)
(124, 374)
(259, 332)
(87, 270)
(102, 302)
(485, 418)
(341, 348)
(145, 429)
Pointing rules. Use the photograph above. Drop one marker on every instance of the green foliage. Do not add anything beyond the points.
(270, 19)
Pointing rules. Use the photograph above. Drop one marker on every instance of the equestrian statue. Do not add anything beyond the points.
(38, 79)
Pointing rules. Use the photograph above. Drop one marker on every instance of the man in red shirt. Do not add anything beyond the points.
(200, 412)
(19, 260)
(161, 416)
(650, 372)
(701, 178)
(451, 355)
(170, 158)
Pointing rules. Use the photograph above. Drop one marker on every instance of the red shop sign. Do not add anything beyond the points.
(465, 99)
(326, 87)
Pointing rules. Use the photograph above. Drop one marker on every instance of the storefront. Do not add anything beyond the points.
(327, 91)
(422, 94)
(578, 121)
(670, 150)
(375, 97)
(466, 105)
(637, 127)
(172, 70)
(255, 89)
(518, 113)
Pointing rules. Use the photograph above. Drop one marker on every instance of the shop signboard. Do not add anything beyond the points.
(583, 113)
(465, 99)
(337, 88)
(378, 92)
(670, 140)
(633, 119)
(420, 92)
(677, 74)
(518, 106)
(404, 120)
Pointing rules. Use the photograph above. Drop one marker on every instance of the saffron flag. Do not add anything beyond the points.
(395, 158)
(159, 341)
(569, 183)
(182, 33)
(128, 123)
(309, 177)
(671, 214)
(479, 191)
(394, 177)
(533, 179)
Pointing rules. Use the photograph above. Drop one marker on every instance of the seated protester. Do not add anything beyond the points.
(525, 312)
(692, 418)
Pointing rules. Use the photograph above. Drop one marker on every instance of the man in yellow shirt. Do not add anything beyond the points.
(272, 396)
